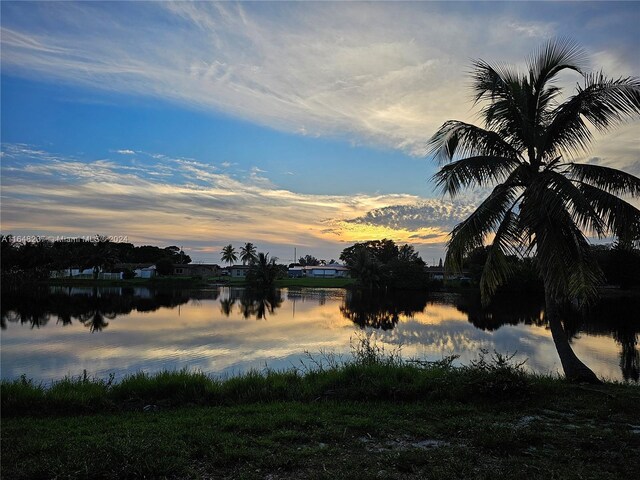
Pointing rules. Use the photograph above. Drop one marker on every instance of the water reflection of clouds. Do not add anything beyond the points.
(199, 336)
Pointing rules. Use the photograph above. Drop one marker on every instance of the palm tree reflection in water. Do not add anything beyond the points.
(252, 303)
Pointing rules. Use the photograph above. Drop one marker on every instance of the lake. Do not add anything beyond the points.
(53, 332)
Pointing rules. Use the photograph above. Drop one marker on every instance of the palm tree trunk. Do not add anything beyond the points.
(574, 369)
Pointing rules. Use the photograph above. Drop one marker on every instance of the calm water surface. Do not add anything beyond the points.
(62, 331)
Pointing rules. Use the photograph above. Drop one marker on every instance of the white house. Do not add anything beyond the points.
(326, 271)
(239, 271)
(145, 272)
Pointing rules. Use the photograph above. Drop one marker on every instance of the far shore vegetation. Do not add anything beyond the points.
(373, 264)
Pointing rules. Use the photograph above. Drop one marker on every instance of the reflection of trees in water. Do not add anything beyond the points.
(615, 317)
(251, 302)
(503, 310)
(94, 321)
(381, 309)
(610, 317)
(91, 306)
(226, 306)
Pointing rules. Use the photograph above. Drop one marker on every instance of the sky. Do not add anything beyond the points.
(290, 125)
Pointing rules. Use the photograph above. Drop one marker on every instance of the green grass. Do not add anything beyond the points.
(585, 437)
(374, 417)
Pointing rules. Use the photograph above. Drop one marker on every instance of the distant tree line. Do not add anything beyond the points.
(24, 261)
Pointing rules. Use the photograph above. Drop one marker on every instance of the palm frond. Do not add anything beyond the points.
(612, 180)
(573, 201)
(544, 65)
(563, 256)
(497, 268)
(553, 57)
(584, 280)
(621, 218)
(491, 82)
(471, 233)
(473, 171)
(455, 138)
(603, 102)
(507, 94)
(562, 252)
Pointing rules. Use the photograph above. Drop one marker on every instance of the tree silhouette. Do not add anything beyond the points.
(248, 253)
(229, 254)
(263, 271)
(541, 203)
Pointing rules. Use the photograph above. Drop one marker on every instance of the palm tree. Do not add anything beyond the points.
(248, 253)
(263, 271)
(229, 254)
(542, 202)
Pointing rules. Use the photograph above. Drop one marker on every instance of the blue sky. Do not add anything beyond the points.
(284, 124)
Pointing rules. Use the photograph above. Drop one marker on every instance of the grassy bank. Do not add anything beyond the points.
(376, 417)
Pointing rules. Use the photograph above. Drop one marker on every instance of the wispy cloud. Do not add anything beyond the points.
(381, 73)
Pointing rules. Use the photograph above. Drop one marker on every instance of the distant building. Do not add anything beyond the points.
(196, 269)
(140, 270)
(87, 273)
(326, 271)
(239, 271)
(439, 273)
(296, 272)
(319, 271)
(145, 272)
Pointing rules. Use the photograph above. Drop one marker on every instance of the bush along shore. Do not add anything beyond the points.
(375, 416)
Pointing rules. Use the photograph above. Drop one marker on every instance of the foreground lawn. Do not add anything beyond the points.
(375, 417)
(330, 439)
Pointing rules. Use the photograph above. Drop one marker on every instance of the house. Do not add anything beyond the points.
(140, 270)
(87, 273)
(439, 273)
(145, 272)
(326, 271)
(239, 271)
(296, 272)
(196, 269)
